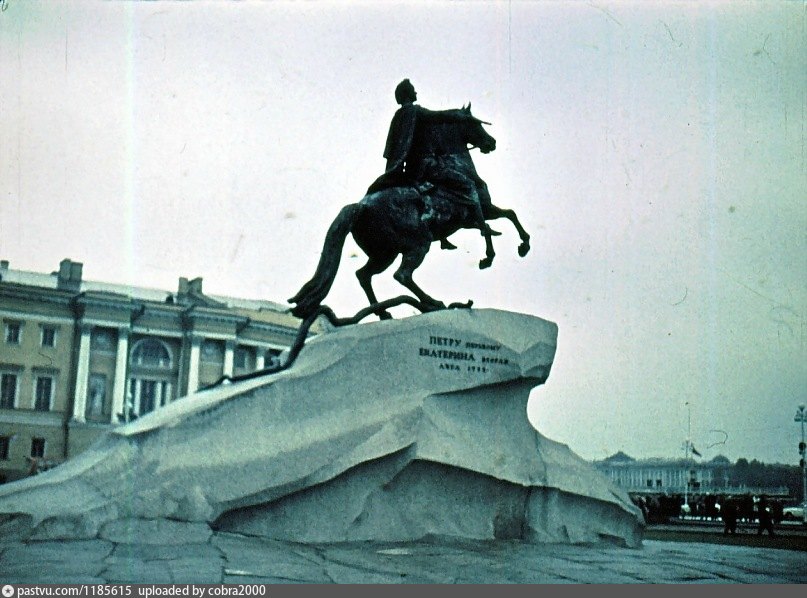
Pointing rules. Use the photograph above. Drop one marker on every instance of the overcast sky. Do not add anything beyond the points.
(654, 151)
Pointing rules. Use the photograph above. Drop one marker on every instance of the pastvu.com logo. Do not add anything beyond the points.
(8, 591)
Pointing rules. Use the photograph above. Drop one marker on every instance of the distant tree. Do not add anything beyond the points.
(758, 474)
(721, 468)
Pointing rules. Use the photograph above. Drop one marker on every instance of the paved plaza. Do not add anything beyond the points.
(196, 555)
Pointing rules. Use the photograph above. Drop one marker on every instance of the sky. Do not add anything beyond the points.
(654, 151)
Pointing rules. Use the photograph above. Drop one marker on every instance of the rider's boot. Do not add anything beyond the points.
(446, 244)
(428, 206)
(484, 227)
(428, 210)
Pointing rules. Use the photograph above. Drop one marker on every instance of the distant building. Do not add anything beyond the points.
(656, 475)
(675, 476)
(77, 357)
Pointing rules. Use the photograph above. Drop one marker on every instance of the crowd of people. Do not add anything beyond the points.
(731, 510)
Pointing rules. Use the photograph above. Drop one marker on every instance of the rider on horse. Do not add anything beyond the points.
(410, 163)
(425, 148)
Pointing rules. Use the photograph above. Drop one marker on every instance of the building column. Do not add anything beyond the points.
(82, 374)
(229, 354)
(193, 364)
(136, 397)
(260, 358)
(119, 386)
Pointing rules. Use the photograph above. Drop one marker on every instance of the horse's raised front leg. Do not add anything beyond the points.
(375, 265)
(409, 263)
(494, 212)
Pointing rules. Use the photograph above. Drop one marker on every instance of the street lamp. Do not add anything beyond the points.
(800, 417)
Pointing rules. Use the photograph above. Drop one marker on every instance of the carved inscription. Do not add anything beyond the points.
(456, 355)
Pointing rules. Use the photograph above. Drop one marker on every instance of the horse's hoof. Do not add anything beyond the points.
(385, 315)
(485, 263)
(523, 249)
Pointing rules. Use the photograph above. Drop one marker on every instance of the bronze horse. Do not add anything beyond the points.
(389, 222)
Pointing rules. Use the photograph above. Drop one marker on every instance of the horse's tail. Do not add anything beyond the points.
(309, 298)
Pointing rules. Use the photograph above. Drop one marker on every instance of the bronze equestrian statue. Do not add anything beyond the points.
(429, 191)
(410, 160)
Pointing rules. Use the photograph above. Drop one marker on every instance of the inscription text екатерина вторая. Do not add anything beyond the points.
(458, 351)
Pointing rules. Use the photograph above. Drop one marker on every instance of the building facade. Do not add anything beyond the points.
(78, 357)
(675, 476)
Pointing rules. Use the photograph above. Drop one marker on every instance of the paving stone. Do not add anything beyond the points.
(197, 570)
(32, 572)
(78, 552)
(341, 573)
(642, 571)
(155, 531)
(535, 578)
(157, 552)
(582, 573)
(38, 578)
(746, 565)
(136, 571)
(523, 567)
(427, 569)
(266, 558)
(241, 579)
(231, 558)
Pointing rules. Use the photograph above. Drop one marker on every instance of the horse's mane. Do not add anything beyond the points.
(446, 134)
(463, 115)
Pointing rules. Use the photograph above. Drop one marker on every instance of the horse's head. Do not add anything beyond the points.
(476, 133)
(453, 132)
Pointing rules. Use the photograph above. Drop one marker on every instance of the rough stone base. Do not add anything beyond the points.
(397, 499)
(389, 431)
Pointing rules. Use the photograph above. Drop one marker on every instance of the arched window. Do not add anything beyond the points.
(151, 352)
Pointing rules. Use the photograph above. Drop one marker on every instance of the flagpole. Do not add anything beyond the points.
(686, 454)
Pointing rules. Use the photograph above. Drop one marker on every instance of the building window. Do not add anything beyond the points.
(96, 395)
(102, 340)
(43, 393)
(8, 391)
(48, 336)
(213, 351)
(5, 441)
(37, 448)
(658, 483)
(150, 352)
(649, 483)
(243, 358)
(146, 395)
(13, 333)
(272, 358)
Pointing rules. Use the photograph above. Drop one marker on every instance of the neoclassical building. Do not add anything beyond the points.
(676, 476)
(659, 475)
(77, 357)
